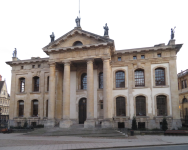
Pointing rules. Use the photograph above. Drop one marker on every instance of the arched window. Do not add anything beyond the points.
(101, 80)
(21, 108)
(159, 76)
(120, 106)
(47, 108)
(35, 108)
(48, 78)
(22, 84)
(139, 77)
(84, 81)
(140, 106)
(161, 105)
(77, 43)
(120, 79)
(35, 84)
(184, 100)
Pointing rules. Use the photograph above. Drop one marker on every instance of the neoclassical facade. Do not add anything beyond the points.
(85, 80)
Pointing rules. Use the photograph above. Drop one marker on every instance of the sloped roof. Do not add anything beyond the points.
(78, 30)
(1, 84)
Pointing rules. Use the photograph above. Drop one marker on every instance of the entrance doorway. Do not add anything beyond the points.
(82, 110)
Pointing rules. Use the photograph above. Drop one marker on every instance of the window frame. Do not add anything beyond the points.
(162, 107)
(143, 78)
(101, 80)
(20, 109)
(164, 82)
(21, 85)
(120, 106)
(139, 108)
(122, 77)
(35, 108)
(36, 84)
(84, 83)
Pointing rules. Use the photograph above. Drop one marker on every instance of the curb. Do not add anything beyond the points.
(132, 146)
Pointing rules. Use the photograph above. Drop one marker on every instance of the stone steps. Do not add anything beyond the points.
(81, 132)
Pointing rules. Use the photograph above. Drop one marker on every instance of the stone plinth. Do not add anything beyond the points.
(65, 123)
(89, 124)
(107, 124)
(171, 42)
(49, 123)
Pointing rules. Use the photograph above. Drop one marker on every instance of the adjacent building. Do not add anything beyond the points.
(85, 80)
(183, 96)
(4, 102)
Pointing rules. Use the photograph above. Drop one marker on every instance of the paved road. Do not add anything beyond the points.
(18, 141)
(174, 147)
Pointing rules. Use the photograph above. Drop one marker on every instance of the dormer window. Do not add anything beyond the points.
(77, 43)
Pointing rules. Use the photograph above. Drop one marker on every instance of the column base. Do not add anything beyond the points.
(49, 123)
(107, 124)
(65, 123)
(89, 124)
(176, 123)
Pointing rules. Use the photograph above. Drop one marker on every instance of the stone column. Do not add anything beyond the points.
(106, 93)
(51, 107)
(12, 112)
(90, 122)
(66, 122)
(176, 122)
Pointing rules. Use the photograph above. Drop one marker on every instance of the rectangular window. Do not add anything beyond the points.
(33, 66)
(185, 83)
(38, 66)
(141, 125)
(119, 58)
(182, 84)
(159, 55)
(142, 56)
(134, 57)
(22, 67)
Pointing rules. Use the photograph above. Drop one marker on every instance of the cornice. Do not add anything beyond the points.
(18, 62)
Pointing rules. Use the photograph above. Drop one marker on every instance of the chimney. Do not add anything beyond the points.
(0, 78)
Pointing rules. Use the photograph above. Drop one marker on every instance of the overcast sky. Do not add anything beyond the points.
(27, 24)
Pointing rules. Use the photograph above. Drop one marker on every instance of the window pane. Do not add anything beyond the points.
(35, 108)
(21, 108)
(140, 106)
(101, 80)
(36, 84)
(161, 105)
(159, 76)
(120, 79)
(84, 81)
(22, 84)
(120, 106)
(139, 78)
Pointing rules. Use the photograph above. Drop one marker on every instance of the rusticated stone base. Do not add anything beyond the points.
(107, 124)
(65, 123)
(89, 124)
(49, 123)
(176, 123)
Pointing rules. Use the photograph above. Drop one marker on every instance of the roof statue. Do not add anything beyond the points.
(52, 37)
(77, 20)
(14, 53)
(172, 33)
(106, 30)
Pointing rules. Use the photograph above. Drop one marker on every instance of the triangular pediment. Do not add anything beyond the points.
(77, 34)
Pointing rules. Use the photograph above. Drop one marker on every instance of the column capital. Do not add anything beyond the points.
(66, 62)
(51, 63)
(105, 58)
(89, 60)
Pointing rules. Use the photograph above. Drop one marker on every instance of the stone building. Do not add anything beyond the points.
(4, 101)
(183, 96)
(85, 80)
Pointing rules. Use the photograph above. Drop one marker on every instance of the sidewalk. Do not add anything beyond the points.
(16, 141)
